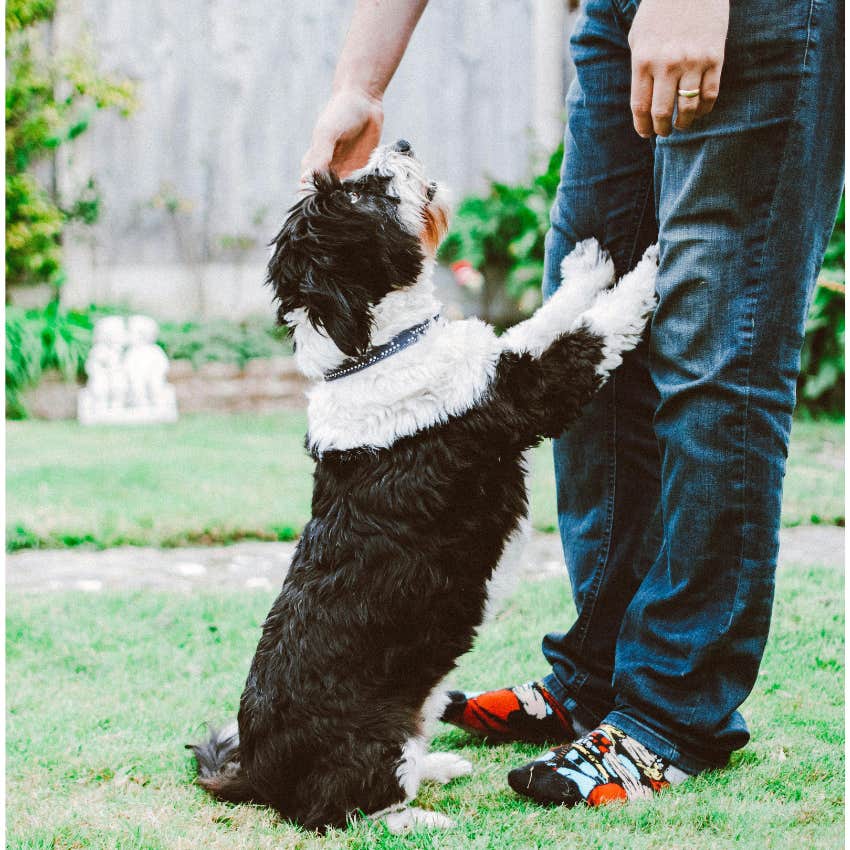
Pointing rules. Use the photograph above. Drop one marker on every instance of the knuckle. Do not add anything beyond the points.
(639, 107)
(661, 114)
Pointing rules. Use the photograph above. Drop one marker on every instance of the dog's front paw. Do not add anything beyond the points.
(619, 315)
(588, 267)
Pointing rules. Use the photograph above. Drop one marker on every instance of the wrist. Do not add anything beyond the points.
(359, 90)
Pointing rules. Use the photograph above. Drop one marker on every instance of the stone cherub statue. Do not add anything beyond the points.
(127, 373)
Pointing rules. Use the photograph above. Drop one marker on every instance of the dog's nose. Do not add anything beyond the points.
(403, 146)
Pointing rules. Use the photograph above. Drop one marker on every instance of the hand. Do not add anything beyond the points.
(676, 44)
(346, 132)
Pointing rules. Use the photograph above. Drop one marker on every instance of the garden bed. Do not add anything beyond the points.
(261, 385)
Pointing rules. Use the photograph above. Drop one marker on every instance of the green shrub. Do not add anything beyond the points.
(38, 121)
(821, 385)
(40, 340)
(504, 231)
(222, 341)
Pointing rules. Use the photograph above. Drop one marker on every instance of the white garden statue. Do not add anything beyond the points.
(127, 374)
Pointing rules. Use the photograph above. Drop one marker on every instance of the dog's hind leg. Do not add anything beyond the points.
(413, 767)
(444, 767)
(411, 818)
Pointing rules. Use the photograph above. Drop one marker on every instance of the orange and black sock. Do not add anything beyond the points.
(521, 713)
(604, 766)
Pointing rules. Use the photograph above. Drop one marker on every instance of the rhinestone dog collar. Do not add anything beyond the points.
(380, 352)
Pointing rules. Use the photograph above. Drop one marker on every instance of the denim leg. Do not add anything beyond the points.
(606, 466)
(746, 201)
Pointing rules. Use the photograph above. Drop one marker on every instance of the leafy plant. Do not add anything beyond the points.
(503, 232)
(40, 340)
(834, 257)
(49, 102)
(821, 385)
(221, 341)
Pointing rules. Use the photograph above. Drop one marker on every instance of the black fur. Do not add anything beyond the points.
(388, 582)
(340, 251)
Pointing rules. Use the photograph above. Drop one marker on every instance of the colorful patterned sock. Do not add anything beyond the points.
(522, 713)
(603, 766)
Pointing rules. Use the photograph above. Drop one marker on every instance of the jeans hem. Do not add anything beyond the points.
(585, 720)
(687, 762)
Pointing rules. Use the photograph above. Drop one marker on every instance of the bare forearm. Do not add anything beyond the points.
(377, 38)
(349, 126)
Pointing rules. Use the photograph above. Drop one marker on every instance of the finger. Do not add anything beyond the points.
(663, 103)
(687, 104)
(709, 90)
(641, 97)
(318, 158)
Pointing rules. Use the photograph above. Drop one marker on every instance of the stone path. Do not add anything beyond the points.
(263, 565)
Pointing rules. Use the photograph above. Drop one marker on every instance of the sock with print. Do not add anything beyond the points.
(601, 767)
(522, 713)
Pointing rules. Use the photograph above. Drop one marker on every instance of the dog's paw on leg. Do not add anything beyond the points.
(444, 767)
(411, 818)
(585, 272)
(588, 267)
(619, 315)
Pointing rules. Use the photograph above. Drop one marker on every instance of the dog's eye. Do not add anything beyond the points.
(354, 197)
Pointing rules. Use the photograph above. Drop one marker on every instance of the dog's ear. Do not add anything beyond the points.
(337, 255)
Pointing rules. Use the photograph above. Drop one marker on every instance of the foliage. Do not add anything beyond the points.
(222, 341)
(49, 102)
(821, 385)
(38, 340)
(506, 229)
(834, 257)
(53, 338)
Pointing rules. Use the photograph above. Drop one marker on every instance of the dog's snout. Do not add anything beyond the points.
(403, 146)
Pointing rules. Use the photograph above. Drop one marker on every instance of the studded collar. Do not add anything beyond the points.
(375, 354)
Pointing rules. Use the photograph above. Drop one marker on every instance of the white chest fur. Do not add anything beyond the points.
(443, 375)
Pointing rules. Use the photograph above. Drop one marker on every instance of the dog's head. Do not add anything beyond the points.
(346, 244)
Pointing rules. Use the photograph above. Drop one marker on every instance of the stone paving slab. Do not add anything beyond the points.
(262, 566)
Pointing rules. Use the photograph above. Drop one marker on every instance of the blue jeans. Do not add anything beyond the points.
(669, 486)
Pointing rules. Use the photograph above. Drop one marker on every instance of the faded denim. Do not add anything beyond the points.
(669, 487)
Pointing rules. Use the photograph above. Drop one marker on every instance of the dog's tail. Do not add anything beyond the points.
(219, 770)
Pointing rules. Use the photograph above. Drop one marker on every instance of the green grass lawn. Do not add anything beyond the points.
(104, 690)
(215, 478)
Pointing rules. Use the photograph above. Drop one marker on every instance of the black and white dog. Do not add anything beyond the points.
(418, 427)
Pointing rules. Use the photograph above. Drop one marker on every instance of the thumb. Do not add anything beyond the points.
(317, 158)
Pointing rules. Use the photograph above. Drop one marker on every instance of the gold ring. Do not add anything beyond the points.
(688, 93)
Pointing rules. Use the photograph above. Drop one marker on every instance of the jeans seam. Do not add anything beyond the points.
(602, 561)
(771, 218)
(639, 211)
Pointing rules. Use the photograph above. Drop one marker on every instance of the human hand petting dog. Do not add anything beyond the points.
(349, 127)
(347, 131)
(677, 55)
